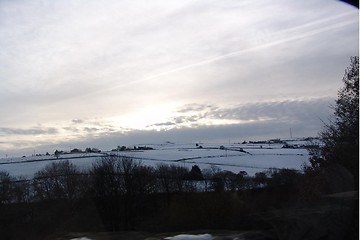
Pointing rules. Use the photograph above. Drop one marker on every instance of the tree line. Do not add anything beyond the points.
(127, 195)
(118, 175)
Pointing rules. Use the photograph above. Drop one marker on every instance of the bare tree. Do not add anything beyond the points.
(58, 180)
(5, 187)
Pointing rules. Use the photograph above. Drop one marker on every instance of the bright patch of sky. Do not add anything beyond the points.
(96, 72)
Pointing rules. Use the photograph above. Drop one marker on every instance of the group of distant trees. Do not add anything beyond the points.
(77, 150)
(96, 150)
(124, 148)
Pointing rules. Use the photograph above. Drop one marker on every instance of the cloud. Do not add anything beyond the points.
(290, 111)
(90, 130)
(196, 107)
(77, 66)
(304, 121)
(165, 124)
(220, 133)
(284, 110)
(28, 131)
(77, 121)
(71, 129)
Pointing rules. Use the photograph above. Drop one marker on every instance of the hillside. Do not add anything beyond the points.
(251, 157)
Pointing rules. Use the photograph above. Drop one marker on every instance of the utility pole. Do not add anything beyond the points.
(290, 134)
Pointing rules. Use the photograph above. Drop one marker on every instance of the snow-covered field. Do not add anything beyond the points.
(191, 237)
(251, 158)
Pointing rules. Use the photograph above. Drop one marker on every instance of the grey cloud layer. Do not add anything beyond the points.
(76, 126)
(289, 111)
(28, 131)
(304, 120)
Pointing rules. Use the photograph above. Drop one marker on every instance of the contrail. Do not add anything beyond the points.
(330, 23)
(255, 48)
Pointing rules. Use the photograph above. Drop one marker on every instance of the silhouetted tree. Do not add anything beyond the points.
(58, 180)
(117, 184)
(106, 178)
(243, 180)
(218, 182)
(260, 179)
(22, 191)
(106, 190)
(286, 178)
(207, 175)
(75, 150)
(5, 187)
(164, 178)
(57, 153)
(195, 173)
(178, 174)
(341, 135)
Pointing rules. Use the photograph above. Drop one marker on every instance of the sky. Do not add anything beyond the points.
(91, 73)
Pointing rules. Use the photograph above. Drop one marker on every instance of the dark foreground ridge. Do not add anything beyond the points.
(123, 199)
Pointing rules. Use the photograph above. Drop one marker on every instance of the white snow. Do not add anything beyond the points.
(253, 158)
(191, 237)
(82, 238)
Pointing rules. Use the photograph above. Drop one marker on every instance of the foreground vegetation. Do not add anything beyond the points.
(119, 194)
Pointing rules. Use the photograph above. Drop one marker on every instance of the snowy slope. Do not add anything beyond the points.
(251, 158)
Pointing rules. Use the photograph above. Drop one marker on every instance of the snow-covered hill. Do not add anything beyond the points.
(249, 157)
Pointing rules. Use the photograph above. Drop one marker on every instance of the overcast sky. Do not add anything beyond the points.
(91, 73)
